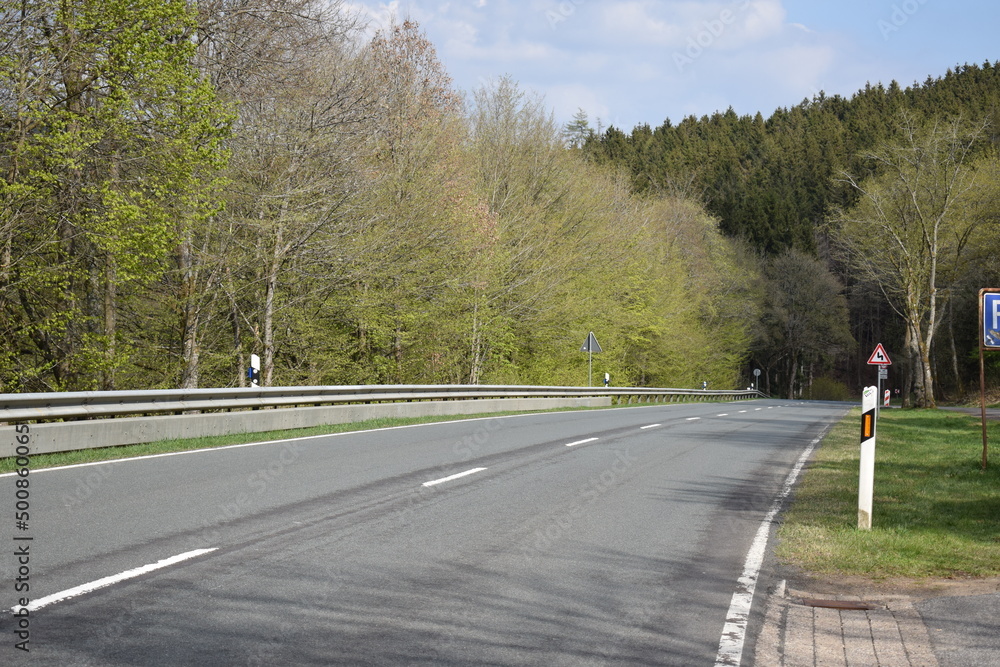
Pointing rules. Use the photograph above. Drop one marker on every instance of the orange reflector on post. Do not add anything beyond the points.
(867, 425)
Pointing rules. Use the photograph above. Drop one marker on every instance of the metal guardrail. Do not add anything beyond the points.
(47, 407)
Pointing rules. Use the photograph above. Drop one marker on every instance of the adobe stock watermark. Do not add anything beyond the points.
(257, 484)
(463, 450)
(563, 524)
(901, 15)
(563, 11)
(711, 31)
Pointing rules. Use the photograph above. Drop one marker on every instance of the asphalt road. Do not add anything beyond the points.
(611, 537)
(963, 630)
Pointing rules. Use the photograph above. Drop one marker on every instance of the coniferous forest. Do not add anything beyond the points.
(186, 184)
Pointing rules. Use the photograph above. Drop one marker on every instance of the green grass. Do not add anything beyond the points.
(936, 513)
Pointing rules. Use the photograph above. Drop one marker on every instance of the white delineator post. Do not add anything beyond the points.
(866, 481)
(254, 371)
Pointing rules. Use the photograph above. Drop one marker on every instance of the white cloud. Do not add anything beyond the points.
(800, 67)
(618, 58)
(462, 37)
(567, 99)
(634, 23)
(763, 20)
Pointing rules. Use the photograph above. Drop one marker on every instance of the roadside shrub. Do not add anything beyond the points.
(828, 389)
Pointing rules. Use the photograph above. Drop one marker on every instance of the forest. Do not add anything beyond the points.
(874, 218)
(186, 184)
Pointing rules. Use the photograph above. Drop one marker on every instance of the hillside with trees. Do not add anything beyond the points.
(184, 185)
(892, 192)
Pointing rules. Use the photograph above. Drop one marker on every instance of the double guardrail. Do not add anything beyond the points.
(79, 420)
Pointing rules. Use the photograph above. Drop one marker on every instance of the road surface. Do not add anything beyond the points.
(610, 537)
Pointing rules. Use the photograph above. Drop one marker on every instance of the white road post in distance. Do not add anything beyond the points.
(866, 481)
(254, 374)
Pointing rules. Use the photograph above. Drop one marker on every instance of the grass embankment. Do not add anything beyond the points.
(936, 513)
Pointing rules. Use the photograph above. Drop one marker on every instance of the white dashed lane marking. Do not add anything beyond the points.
(435, 482)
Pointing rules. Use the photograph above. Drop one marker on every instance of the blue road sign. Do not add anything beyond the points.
(991, 320)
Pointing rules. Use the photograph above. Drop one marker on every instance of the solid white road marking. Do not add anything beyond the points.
(643, 428)
(735, 629)
(108, 581)
(208, 450)
(580, 442)
(434, 482)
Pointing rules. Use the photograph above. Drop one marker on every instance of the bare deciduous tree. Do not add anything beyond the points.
(911, 228)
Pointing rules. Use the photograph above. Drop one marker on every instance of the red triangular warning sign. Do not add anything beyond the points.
(879, 357)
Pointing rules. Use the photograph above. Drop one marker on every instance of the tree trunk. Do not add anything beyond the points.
(190, 313)
(234, 323)
(909, 368)
(110, 323)
(271, 287)
(793, 363)
(927, 370)
(959, 385)
(477, 345)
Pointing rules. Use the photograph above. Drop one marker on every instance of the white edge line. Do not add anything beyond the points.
(204, 450)
(580, 442)
(108, 581)
(735, 629)
(643, 428)
(435, 482)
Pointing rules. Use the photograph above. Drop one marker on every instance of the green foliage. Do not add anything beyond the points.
(804, 324)
(110, 144)
(372, 229)
(828, 389)
(916, 226)
(773, 181)
(776, 183)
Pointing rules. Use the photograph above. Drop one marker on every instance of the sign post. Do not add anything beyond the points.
(989, 339)
(866, 479)
(590, 346)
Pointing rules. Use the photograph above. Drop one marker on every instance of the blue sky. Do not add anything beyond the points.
(627, 62)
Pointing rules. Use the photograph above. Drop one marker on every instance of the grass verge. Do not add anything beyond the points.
(40, 461)
(936, 513)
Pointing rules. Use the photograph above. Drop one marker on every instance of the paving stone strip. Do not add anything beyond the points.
(798, 633)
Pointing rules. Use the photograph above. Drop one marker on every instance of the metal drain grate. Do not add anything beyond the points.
(841, 604)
